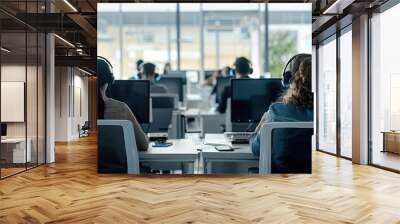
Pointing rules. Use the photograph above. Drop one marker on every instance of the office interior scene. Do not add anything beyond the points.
(46, 83)
(198, 78)
(180, 63)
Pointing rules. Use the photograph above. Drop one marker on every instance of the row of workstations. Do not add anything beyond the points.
(219, 146)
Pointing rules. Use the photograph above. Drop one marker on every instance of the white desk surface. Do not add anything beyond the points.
(193, 97)
(241, 151)
(192, 112)
(181, 150)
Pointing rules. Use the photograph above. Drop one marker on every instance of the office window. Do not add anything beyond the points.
(289, 33)
(385, 88)
(231, 31)
(190, 25)
(221, 32)
(128, 32)
(327, 96)
(346, 93)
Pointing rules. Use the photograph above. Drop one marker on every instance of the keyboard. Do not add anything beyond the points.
(238, 137)
(157, 136)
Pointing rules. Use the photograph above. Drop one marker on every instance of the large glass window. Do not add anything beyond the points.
(190, 20)
(385, 89)
(212, 35)
(289, 33)
(327, 95)
(129, 32)
(346, 93)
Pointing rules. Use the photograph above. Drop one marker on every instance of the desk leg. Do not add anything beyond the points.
(188, 168)
(208, 167)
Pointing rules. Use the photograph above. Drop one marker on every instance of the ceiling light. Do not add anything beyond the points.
(65, 41)
(84, 71)
(337, 7)
(70, 5)
(5, 50)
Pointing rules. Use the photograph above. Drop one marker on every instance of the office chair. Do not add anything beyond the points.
(117, 151)
(285, 147)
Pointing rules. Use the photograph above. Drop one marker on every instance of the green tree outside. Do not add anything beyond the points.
(282, 46)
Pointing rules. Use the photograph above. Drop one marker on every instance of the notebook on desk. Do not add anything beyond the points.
(216, 140)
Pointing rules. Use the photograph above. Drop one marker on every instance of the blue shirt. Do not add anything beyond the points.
(280, 112)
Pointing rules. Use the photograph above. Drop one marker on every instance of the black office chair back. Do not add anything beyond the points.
(291, 150)
(111, 154)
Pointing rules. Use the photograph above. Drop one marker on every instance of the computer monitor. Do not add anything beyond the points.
(192, 76)
(174, 85)
(163, 107)
(3, 130)
(208, 74)
(136, 94)
(177, 74)
(222, 82)
(252, 97)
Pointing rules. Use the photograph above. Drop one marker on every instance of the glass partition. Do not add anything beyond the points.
(327, 96)
(14, 145)
(22, 91)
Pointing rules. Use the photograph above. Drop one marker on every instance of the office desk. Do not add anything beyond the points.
(13, 150)
(242, 156)
(182, 153)
(391, 141)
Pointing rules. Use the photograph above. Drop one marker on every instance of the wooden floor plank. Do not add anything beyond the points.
(71, 191)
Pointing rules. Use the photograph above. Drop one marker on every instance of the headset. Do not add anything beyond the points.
(106, 69)
(291, 68)
(233, 71)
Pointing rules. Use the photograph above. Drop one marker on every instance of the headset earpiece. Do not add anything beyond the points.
(110, 77)
(288, 74)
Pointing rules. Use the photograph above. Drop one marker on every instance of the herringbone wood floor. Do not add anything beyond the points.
(70, 191)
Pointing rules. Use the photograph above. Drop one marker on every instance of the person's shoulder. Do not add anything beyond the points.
(115, 104)
(277, 106)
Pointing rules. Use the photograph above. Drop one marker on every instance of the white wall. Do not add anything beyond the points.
(70, 83)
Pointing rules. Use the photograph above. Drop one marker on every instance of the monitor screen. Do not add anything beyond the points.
(163, 107)
(208, 73)
(222, 82)
(136, 94)
(3, 129)
(174, 86)
(192, 76)
(252, 97)
(177, 74)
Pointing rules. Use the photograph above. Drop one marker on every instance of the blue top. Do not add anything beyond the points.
(280, 112)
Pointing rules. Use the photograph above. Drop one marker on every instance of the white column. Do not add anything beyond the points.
(360, 90)
(50, 98)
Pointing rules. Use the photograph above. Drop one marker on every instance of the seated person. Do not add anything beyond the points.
(296, 105)
(167, 68)
(113, 109)
(225, 72)
(138, 75)
(242, 69)
(149, 73)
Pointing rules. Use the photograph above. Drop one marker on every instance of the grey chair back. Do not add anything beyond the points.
(117, 151)
(286, 147)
